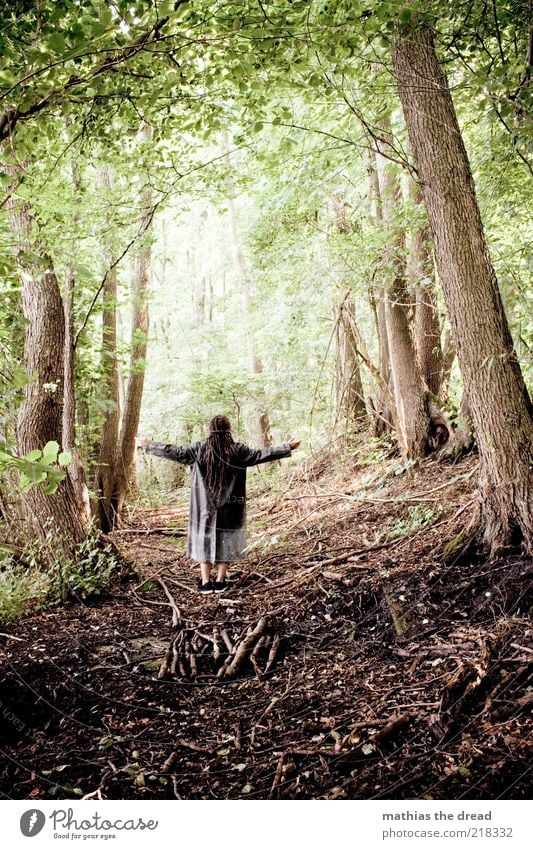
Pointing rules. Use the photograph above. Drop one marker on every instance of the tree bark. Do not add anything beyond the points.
(40, 417)
(448, 357)
(411, 417)
(426, 325)
(501, 408)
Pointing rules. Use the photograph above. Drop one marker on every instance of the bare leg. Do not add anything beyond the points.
(205, 572)
(222, 568)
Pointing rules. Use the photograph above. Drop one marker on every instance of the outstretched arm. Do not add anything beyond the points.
(179, 453)
(254, 456)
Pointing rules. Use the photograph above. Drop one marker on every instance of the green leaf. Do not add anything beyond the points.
(20, 377)
(64, 458)
(50, 452)
(57, 42)
(34, 455)
(83, 273)
(51, 487)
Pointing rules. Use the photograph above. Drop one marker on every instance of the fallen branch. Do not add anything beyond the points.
(278, 775)
(227, 671)
(273, 652)
(176, 614)
(394, 725)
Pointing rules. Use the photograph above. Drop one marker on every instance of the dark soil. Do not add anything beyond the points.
(392, 674)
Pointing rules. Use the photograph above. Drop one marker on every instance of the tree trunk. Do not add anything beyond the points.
(501, 408)
(426, 324)
(69, 401)
(349, 398)
(105, 469)
(40, 417)
(411, 418)
(125, 454)
(383, 414)
(77, 471)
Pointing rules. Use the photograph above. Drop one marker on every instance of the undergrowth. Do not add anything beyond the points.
(26, 586)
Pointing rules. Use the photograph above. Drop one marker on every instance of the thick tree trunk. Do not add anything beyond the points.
(41, 413)
(501, 408)
(105, 469)
(411, 416)
(40, 417)
(426, 324)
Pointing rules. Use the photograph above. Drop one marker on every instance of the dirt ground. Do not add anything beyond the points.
(347, 659)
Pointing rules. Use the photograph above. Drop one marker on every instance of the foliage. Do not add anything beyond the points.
(22, 590)
(418, 517)
(26, 587)
(46, 466)
(86, 575)
(277, 104)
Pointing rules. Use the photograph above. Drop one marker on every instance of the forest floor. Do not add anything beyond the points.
(346, 659)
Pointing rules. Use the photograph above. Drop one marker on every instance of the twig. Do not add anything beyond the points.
(176, 614)
(183, 744)
(273, 652)
(253, 657)
(391, 727)
(277, 776)
(521, 648)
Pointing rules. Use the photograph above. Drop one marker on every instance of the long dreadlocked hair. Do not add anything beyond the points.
(218, 455)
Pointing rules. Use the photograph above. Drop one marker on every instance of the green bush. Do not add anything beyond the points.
(85, 576)
(25, 589)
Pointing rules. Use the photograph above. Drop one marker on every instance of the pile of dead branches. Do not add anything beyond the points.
(192, 653)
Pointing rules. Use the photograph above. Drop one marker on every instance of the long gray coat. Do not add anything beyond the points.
(217, 529)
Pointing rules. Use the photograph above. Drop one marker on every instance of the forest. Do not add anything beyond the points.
(312, 217)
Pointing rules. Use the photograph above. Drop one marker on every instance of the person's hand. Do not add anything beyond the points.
(141, 441)
(294, 443)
